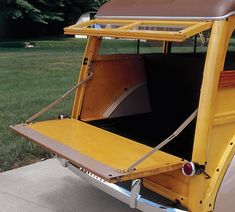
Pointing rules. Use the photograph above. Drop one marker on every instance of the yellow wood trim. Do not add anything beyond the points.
(129, 26)
(220, 35)
(213, 66)
(93, 45)
(127, 32)
(143, 22)
(133, 34)
(224, 118)
(113, 151)
(153, 186)
(174, 183)
(150, 171)
(229, 150)
(196, 28)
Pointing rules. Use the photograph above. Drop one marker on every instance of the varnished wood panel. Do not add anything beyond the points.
(113, 75)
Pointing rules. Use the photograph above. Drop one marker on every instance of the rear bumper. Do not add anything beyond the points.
(120, 193)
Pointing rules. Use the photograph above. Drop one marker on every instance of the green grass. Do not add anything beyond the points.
(31, 78)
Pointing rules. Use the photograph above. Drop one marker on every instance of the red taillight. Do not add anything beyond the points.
(189, 169)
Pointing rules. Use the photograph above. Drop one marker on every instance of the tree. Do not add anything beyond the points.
(39, 11)
(28, 17)
(42, 17)
(75, 8)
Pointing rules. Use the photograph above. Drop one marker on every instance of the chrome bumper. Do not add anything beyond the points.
(131, 198)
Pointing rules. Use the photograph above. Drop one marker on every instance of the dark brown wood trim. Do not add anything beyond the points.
(227, 79)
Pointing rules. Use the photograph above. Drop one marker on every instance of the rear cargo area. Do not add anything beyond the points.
(173, 83)
(147, 97)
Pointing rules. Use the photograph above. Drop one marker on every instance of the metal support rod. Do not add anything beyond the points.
(167, 46)
(138, 46)
(195, 44)
(57, 101)
(166, 141)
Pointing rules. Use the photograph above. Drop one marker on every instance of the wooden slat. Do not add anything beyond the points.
(227, 79)
(125, 29)
(195, 29)
(172, 185)
(130, 34)
(129, 26)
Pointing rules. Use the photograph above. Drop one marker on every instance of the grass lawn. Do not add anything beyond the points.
(31, 78)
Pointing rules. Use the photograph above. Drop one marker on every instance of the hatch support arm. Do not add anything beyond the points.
(57, 101)
(165, 142)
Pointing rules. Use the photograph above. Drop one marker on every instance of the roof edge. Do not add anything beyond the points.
(180, 18)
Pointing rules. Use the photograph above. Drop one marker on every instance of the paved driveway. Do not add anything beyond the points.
(47, 186)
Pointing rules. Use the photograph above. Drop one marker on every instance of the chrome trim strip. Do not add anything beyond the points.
(121, 193)
(180, 18)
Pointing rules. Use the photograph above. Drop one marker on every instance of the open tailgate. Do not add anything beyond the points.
(100, 152)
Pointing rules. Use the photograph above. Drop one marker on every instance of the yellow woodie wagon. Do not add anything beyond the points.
(154, 130)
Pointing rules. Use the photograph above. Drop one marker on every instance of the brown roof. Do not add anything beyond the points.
(169, 9)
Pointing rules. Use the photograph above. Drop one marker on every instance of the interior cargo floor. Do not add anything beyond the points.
(146, 129)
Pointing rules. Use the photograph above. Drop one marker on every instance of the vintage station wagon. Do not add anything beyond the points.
(154, 130)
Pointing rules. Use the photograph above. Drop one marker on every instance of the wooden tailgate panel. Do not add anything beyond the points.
(105, 154)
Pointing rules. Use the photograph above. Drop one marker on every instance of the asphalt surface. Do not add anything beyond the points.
(48, 187)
